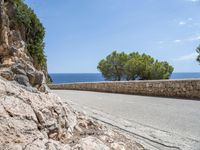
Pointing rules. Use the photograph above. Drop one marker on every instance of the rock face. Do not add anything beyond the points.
(15, 61)
(37, 121)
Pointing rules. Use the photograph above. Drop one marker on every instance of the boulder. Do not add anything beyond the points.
(22, 79)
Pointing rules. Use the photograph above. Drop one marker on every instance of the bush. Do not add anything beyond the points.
(34, 32)
(121, 66)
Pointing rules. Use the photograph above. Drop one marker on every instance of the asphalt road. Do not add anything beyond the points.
(175, 122)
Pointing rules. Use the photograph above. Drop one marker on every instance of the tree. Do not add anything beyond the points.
(112, 67)
(133, 66)
(161, 70)
(118, 66)
(145, 67)
(198, 51)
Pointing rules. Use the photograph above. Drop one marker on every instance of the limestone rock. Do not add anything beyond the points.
(26, 117)
(118, 146)
(18, 69)
(22, 79)
(7, 74)
(15, 61)
(91, 143)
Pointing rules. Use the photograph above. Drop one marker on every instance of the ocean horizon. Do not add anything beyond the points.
(95, 77)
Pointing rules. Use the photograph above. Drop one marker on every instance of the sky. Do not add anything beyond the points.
(79, 33)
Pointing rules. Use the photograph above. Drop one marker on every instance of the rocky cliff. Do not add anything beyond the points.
(16, 61)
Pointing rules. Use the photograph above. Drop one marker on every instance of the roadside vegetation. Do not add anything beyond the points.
(34, 31)
(121, 66)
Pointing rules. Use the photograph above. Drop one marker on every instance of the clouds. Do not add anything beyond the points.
(187, 30)
(193, 1)
(177, 41)
(188, 21)
(195, 38)
(182, 23)
(189, 39)
(188, 24)
(188, 57)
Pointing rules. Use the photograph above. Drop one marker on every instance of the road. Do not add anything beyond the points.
(171, 123)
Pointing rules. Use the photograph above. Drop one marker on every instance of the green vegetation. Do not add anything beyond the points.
(113, 66)
(49, 79)
(198, 51)
(34, 32)
(120, 66)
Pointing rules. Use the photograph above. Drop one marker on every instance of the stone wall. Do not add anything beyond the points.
(167, 88)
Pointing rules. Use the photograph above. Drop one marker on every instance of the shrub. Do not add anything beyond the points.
(34, 32)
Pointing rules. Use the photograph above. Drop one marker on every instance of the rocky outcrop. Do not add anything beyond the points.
(36, 121)
(15, 61)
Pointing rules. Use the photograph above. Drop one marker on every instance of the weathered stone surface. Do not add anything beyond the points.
(22, 79)
(15, 61)
(7, 74)
(91, 143)
(118, 146)
(34, 121)
(18, 69)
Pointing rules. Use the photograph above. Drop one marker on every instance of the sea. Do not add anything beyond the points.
(95, 77)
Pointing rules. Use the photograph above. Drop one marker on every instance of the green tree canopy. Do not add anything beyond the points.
(112, 67)
(118, 66)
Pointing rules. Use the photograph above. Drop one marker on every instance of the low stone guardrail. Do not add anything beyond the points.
(187, 88)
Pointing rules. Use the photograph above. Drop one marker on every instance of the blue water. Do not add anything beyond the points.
(76, 77)
(93, 77)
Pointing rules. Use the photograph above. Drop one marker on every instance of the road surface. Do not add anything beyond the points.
(168, 123)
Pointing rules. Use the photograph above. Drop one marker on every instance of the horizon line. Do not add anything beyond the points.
(100, 73)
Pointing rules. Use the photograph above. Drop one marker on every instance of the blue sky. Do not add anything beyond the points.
(79, 33)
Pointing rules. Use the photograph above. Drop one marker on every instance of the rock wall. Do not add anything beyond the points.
(167, 88)
(15, 61)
